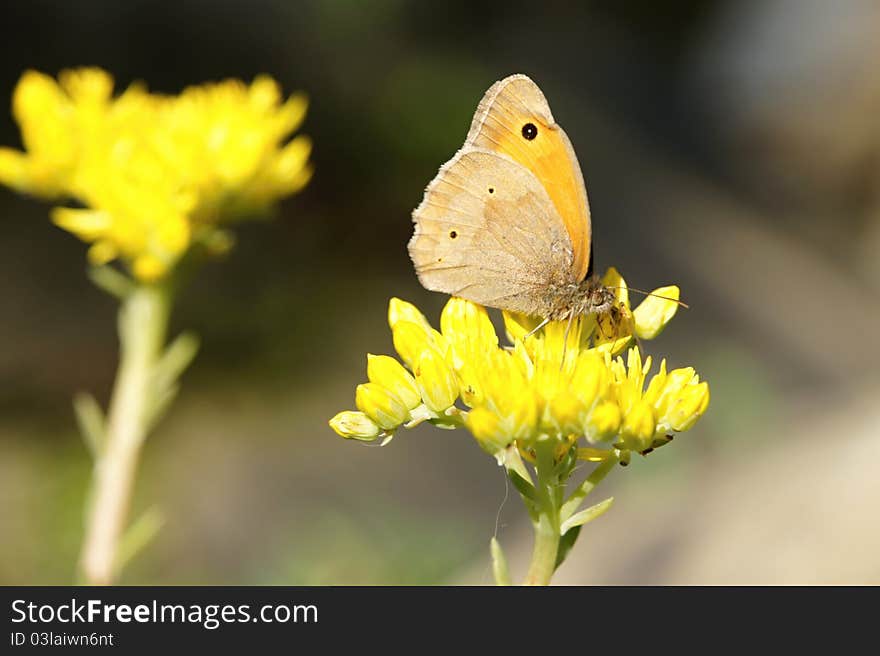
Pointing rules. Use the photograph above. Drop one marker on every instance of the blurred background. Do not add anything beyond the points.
(730, 147)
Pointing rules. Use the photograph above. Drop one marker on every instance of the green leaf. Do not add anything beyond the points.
(111, 281)
(174, 361)
(165, 375)
(565, 545)
(524, 487)
(90, 419)
(566, 464)
(577, 497)
(513, 462)
(138, 536)
(584, 516)
(159, 405)
(499, 563)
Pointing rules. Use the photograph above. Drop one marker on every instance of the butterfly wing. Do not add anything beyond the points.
(499, 125)
(487, 231)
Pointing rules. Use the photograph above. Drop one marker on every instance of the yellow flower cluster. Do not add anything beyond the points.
(560, 383)
(154, 173)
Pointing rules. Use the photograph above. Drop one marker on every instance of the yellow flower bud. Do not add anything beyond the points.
(293, 157)
(471, 392)
(518, 325)
(675, 382)
(410, 339)
(390, 374)
(13, 169)
(88, 225)
(468, 331)
(638, 426)
(149, 268)
(604, 421)
(590, 378)
(102, 252)
(380, 405)
(655, 312)
(486, 427)
(436, 381)
(87, 85)
(293, 111)
(563, 412)
(464, 323)
(34, 89)
(523, 421)
(399, 310)
(655, 387)
(173, 234)
(690, 406)
(355, 425)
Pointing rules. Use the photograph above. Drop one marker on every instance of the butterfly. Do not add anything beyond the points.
(506, 222)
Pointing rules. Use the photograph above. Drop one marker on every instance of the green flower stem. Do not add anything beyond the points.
(546, 522)
(550, 514)
(143, 322)
(544, 554)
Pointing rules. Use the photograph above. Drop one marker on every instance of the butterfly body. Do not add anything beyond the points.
(589, 296)
(506, 222)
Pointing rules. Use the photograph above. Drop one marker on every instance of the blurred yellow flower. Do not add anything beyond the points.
(155, 174)
(560, 383)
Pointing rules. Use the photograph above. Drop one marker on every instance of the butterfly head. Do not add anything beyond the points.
(599, 300)
(574, 300)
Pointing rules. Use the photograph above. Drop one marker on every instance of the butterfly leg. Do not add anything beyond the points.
(536, 329)
(565, 340)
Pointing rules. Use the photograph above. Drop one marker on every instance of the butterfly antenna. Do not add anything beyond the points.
(665, 298)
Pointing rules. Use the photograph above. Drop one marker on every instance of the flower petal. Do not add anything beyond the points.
(656, 311)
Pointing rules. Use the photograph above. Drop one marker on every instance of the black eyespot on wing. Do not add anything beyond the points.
(529, 131)
(453, 234)
(491, 190)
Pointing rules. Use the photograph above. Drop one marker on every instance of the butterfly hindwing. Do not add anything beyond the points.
(487, 231)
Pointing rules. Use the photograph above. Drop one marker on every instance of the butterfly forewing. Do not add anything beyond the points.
(501, 124)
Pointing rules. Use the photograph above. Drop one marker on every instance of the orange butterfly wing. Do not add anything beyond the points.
(501, 124)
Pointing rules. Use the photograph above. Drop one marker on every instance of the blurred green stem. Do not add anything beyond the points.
(143, 322)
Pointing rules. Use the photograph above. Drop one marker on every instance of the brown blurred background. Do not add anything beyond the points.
(732, 148)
